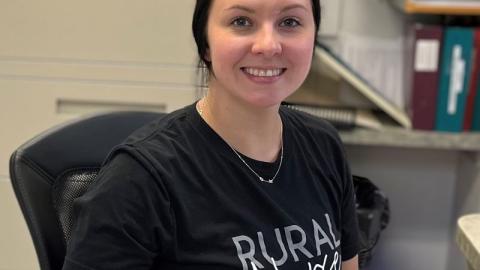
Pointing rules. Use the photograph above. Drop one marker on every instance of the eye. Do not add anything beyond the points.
(241, 22)
(290, 22)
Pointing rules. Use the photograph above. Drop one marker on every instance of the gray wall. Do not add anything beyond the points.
(421, 186)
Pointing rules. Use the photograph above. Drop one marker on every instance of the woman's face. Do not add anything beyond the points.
(261, 50)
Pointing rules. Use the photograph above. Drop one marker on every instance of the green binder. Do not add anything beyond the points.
(454, 78)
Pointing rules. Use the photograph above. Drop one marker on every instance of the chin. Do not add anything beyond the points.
(265, 97)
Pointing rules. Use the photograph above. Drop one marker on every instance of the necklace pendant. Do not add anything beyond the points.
(270, 181)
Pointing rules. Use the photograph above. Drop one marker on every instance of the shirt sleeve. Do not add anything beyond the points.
(348, 214)
(122, 222)
(350, 240)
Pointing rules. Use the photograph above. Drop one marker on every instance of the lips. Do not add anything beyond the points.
(264, 72)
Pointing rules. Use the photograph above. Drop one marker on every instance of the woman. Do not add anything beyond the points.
(234, 181)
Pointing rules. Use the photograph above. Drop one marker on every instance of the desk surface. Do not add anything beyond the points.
(468, 239)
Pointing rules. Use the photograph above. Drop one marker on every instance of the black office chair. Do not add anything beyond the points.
(52, 169)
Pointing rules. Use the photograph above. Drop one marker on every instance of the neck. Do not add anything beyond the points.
(254, 132)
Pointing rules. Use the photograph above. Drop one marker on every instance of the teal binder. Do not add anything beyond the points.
(454, 78)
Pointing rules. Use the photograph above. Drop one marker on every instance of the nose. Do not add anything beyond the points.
(267, 42)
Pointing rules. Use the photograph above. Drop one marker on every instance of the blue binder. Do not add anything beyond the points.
(454, 78)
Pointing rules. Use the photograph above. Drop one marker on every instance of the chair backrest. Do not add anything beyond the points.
(52, 169)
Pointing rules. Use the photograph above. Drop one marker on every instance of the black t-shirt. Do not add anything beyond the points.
(176, 196)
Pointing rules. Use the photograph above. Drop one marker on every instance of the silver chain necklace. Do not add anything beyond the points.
(270, 181)
(260, 178)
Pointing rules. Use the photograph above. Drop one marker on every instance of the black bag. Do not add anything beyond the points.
(373, 214)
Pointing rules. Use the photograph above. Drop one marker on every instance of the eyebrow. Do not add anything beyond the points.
(249, 10)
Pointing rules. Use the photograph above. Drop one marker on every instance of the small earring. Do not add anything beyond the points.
(207, 55)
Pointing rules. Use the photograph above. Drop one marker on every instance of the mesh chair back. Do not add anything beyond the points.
(66, 189)
(52, 169)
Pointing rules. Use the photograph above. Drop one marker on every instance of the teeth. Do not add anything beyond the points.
(263, 72)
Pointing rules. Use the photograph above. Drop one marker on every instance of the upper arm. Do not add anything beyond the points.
(351, 264)
(120, 221)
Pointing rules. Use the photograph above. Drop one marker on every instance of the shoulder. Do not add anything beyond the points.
(163, 132)
(306, 124)
(318, 140)
(166, 125)
(158, 142)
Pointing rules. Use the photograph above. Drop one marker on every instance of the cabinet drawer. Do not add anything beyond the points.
(29, 107)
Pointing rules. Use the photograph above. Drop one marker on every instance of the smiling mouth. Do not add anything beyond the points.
(257, 72)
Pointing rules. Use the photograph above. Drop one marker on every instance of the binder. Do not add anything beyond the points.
(423, 73)
(455, 73)
(472, 109)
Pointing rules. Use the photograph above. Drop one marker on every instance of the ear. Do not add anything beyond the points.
(207, 55)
